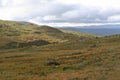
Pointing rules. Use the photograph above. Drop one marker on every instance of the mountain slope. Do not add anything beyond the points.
(66, 55)
(14, 33)
(80, 34)
(91, 59)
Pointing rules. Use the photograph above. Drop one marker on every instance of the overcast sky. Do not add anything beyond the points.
(62, 12)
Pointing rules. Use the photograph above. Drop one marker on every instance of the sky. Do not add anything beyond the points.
(62, 13)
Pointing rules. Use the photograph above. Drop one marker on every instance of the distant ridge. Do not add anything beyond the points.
(98, 30)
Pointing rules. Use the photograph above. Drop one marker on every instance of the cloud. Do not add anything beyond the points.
(61, 12)
(114, 18)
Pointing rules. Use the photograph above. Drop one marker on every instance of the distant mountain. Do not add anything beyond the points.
(94, 30)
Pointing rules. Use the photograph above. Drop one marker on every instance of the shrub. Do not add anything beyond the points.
(52, 63)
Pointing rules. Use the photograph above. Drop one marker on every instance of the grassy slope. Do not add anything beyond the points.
(79, 59)
(23, 32)
(80, 34)
(90, 63)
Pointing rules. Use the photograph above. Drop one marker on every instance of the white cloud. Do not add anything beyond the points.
(67, 24)
(36, 20)
(71, 14)
(10, 13)
(50, 17)
(114, 18)
(61, 12)
(80, 24)
(94, 3)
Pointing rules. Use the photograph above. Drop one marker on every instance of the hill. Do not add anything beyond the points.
(15, 34)
(46, 53)
(80, 34)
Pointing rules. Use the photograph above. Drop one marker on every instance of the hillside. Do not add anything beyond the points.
(33, 52)
(98, 61)
(18, 33)
(80, 34)
(26, 31)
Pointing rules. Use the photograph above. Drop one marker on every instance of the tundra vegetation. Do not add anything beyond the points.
(32, 52)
